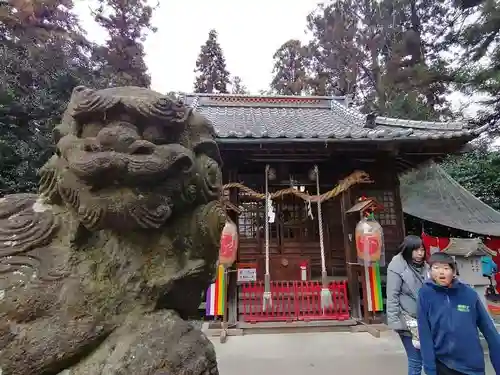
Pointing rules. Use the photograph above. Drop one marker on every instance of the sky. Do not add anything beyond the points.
(249, 34)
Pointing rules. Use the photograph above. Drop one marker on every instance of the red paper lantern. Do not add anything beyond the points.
(369, 240)
(228, 244)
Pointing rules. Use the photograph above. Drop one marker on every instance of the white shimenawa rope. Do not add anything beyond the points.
(320, 223)
(326, 297)
(267, 221)
(267, 300)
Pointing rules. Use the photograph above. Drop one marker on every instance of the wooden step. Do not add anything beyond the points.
(242, 328)
(296, 326)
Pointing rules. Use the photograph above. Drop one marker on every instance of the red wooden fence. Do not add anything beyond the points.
(293, 300)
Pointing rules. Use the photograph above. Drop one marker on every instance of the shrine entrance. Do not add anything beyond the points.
(293, 239)
(291, 269)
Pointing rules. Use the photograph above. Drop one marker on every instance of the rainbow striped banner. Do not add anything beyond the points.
(374, 287)
(216, 294)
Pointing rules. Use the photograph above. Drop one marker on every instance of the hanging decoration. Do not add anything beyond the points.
(271, 213)
(307, 202)
(357, 177)
(228, 244)
(216, 294)
(309, 209)
(374, 288)
(369, 240)
(369, 237)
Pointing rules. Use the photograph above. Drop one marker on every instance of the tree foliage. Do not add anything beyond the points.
(478, 172)
(127, 24)
(44, 54)
(474, 34)
(212, 75)
(477, 38)
(291, 62)
(334, 50)
(237, 86)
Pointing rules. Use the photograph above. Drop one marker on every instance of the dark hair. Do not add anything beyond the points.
(409, 244)
(444, 258)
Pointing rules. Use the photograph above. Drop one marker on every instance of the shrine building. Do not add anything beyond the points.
(303, 142)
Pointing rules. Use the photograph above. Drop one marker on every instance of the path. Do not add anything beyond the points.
(312, 354)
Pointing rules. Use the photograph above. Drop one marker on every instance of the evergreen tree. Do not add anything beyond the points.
(290, 69)
(478, 172)
(212, 75)
(237, 86)
(127, 24)
(479, 56)
(334, 54)
(417, 77)
(476, 33)
(44, 55)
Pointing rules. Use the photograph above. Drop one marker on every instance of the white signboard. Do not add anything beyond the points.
(247, 275)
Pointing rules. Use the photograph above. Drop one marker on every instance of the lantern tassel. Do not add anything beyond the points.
(326, 295)
(267, 301)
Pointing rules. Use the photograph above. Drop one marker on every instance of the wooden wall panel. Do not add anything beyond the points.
(385, 188)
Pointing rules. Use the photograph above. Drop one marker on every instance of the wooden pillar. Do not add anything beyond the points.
(350, 255)
(398, 207)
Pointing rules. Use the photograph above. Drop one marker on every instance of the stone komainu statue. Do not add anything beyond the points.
(99, 272)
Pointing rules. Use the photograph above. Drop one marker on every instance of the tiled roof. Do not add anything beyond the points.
(466, 247)
(257, 117)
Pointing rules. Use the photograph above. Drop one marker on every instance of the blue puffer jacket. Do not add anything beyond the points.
(448, 320)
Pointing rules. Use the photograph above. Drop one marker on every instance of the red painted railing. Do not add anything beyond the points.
(293, 300)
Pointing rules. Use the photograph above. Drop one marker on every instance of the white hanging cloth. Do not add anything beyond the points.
(271, 213)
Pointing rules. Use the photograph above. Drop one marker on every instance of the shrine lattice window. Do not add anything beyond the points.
(388, 216)
(296, 223)
(248, 221)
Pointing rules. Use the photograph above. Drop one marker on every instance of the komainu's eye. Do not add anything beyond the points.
(90, 130)
(56, 134)
(154, 134)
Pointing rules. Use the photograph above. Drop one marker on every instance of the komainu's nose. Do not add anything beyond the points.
(141, 147)
(117, 138)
